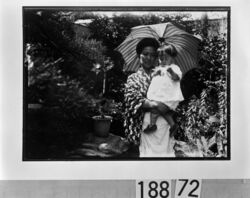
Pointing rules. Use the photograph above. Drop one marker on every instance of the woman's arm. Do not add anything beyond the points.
(155, 107)
(135, 93)
(135, 98)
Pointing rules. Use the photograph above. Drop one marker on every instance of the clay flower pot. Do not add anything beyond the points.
(102, 125)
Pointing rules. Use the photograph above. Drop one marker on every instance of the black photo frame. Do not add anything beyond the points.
(38, 143)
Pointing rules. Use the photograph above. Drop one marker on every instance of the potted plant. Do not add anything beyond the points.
(103, 121)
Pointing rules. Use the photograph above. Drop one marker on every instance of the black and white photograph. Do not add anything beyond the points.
(93, 83)
(82, 112)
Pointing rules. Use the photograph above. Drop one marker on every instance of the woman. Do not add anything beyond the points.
(137, 106)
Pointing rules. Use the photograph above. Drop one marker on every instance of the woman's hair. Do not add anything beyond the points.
(146, 42)
(169, 49)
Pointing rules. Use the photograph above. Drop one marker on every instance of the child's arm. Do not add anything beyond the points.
(175, 72)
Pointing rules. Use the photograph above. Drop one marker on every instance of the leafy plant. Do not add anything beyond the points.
(104, 105)
(204, 117)
(48, 85)
(103, 67)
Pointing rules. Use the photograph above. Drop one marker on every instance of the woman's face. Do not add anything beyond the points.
(148, 57)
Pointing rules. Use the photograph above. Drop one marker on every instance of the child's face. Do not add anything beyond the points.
(165, 59)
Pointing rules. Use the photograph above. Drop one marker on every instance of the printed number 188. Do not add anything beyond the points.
(154, 189)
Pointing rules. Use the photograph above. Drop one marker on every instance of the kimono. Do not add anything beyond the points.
(134, 95)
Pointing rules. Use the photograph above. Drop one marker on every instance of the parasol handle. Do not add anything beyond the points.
(161, 40)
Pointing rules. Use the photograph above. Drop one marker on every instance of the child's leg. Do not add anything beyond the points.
(153, 118)
(173, 126)
(152, 126)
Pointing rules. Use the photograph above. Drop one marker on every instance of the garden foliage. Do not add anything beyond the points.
(203, 116)
(67, 71)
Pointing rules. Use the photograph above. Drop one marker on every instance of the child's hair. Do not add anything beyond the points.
(167, 48)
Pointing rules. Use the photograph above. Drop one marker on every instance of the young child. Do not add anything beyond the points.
(165, 86)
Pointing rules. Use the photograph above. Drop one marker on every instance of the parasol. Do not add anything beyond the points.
(186, 45)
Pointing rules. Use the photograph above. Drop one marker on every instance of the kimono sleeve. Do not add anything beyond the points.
(135, 93)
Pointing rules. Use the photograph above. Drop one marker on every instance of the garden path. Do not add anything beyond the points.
(102, 147)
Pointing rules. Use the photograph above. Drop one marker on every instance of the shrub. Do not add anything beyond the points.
(204, 116)
(48, 86)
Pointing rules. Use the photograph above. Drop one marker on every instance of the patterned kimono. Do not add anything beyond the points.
(135, 94)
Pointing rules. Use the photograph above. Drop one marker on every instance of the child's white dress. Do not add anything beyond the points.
(163, 89)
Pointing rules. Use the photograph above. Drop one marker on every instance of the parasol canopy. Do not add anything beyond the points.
(186, 45)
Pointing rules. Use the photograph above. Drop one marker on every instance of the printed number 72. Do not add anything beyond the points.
(191, 193)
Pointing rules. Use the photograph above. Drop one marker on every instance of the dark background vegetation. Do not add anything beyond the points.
(62, 90)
